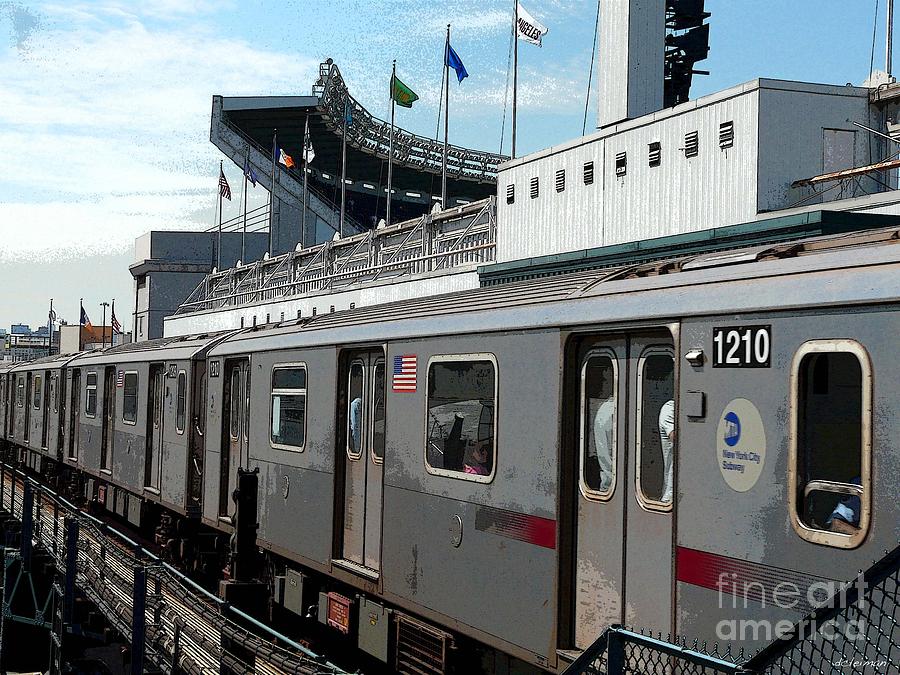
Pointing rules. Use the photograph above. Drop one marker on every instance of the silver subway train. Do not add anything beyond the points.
(504, 472)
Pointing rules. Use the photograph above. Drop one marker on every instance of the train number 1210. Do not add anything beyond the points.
(742, 347)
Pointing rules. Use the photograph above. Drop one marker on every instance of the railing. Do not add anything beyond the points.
(620, 651)
(172, 624)
(456, 237)
(857, 630)
(370, 134)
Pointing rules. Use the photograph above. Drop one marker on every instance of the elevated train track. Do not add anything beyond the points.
(173, 624)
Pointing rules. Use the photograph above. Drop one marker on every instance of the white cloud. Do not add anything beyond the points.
(108, 117)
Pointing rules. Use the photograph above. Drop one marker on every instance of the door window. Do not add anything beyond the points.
(355, 406)
(378, 414)
(656, 428)
(599, 415)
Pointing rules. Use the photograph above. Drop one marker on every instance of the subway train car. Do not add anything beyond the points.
(499, 474)
(136, 425)
(39, 408)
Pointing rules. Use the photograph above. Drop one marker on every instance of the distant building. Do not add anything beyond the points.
(24, 344)
(77, 338)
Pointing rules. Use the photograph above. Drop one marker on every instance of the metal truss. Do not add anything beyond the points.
(457, 237)
(371, 134)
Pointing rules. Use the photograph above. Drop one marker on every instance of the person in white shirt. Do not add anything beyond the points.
(667, 445)
(602, 447)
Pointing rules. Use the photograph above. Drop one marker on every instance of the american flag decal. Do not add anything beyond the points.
(120, 378)
(404, 373)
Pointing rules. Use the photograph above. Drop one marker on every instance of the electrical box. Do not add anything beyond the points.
(373, 628)
(295, 599)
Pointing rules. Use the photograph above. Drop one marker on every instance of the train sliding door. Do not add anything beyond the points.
(155, 419)
(361, 453)
(45, 418)
(623, 459)
(235, 432)
(107, 438)
(26, 433)
(75, 414)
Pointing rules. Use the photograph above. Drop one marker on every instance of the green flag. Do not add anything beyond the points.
(403, 95)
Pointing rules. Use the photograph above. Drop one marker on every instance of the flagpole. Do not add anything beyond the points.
(80, 324)
(391, 147)
(515, 72)
(219, 246)
(50, 322)
(112, 320)
(444, 204)
(343, 167)
(305, 179)
(244, 231)
(272, 195)
(104, 305)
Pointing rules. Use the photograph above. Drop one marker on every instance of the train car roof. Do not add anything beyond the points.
(44, 363)
(168, 348)
(650, 291)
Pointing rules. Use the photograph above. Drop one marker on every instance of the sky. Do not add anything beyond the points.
(105, 105)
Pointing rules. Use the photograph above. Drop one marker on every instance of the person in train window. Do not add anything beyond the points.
(355, 424)
(477, 458)
(667, 443)
(844, 519)
(602, 447)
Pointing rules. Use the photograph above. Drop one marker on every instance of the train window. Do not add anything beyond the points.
(831, 442)
(234, 416)
(36, 396)
(461, 423)
(378, 413)
(181, 402)
(656, 428)
(53, 392)
(90, 395)
(598, 424)
(355, 407)
(20, 392)
(247, 406)
(129, 398)
(201, 417)
(288, 430)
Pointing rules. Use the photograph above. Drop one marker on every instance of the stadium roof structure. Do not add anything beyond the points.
(417, 160)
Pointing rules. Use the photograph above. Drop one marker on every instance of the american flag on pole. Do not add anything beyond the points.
(224, 188)
(404, 373)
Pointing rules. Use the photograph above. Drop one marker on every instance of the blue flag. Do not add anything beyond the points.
(348, 114)
(456, 63)
(249, 172)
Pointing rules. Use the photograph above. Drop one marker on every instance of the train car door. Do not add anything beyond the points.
(622, 445)
(651, 455)
(601, 485)
(26, 433)
(155, 420)
(362, 419)
(75, 414)
(109, 417)
(61, 417)
(45, 418)
(235, 432)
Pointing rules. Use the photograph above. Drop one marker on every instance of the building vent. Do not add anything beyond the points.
(588, 173)
(420, 648)
(621, 164)
(510, 194)
(534, 187)
(560, 180)
(654, 153)
(726, 134)
(692, 144)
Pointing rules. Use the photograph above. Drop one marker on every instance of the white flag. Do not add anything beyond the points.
(528, 28)
(310, 154)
